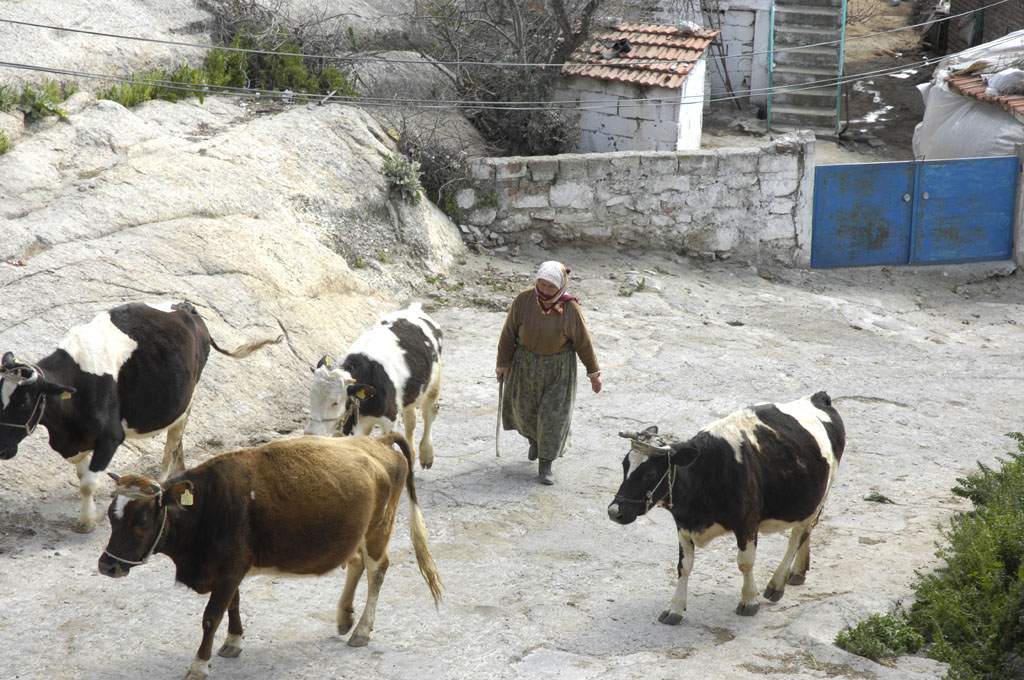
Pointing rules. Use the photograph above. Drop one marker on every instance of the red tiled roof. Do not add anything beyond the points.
(973, 86)
(660, 55)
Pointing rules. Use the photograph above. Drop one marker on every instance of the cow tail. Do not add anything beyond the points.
(245, 350)
(417, 529)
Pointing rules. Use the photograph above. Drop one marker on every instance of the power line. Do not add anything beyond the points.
(202, 89)
(742, 55)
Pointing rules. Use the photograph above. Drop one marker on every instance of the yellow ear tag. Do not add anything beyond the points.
(361, 394)
(327, 360)
(186, 497)
(65, 395)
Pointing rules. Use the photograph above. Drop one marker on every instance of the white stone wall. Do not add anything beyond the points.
(615, 116)
(751, 203)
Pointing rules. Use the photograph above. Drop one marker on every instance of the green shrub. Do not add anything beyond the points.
(970, 611)
(45, 101)
(8, 98)
(5, 143)
(972, 608)
(284, 70)
(227, 69)
(880, 637)
(183, 83)
(403, 177)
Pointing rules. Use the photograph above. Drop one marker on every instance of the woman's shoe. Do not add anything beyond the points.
(544, 473)
(532, 453)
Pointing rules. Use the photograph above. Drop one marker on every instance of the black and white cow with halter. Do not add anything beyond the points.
(764, 469)
(394, 367)
(131, 372)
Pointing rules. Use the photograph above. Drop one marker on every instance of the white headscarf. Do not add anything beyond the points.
(554, 273)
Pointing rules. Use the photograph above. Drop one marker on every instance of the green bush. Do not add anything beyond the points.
(970, 611)
(403, 177)
(880, 637)
(183, 83)
(227, 69)
(972, 608)
(45, 101)
(5, 143)
(8, 98)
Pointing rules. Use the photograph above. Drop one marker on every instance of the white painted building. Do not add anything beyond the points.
(639, 87)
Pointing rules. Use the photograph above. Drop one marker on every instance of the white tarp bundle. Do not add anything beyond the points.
(955, 126)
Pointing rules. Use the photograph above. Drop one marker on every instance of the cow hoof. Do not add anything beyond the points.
(747, 609)
(796, 579)
(84, 527)
(358, 640)
(670, 618)
(229, 652)
(773, 595)
(194, 675)
(344, 627)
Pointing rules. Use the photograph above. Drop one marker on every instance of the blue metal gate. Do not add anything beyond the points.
(918, 212)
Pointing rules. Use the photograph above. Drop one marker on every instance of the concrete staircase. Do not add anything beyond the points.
(803, 81)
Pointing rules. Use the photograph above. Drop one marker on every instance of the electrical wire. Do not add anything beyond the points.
(207, 90)
(202, 89)
(499, 64)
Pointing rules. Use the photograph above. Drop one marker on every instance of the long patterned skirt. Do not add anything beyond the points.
(540, 393)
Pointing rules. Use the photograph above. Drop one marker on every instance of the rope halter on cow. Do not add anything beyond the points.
(648, 444)
(135, 492)
(26, 374)
(339, 422)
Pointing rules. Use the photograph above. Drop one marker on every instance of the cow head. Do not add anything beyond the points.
(138, 520)
(648, 473)
(23, 392)
(334, 399)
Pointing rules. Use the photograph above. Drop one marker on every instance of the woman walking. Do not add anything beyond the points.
(544, 332)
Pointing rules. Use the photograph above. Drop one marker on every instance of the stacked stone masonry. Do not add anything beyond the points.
(752, 203)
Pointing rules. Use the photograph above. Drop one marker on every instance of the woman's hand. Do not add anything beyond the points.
(500, 372)
(595, 383)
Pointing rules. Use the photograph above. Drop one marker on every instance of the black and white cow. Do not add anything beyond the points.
(131, 372)
(395, 366)
(764, 469)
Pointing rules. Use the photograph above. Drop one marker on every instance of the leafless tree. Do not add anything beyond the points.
(504, 55)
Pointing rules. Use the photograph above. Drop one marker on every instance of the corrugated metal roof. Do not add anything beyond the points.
(659, 55)
(973, 86)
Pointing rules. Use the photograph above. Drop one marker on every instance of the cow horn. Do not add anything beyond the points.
(628, 434)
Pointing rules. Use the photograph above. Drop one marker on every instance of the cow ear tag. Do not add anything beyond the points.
(65, 395)
(327, 360)
(361, 394)
(186, 497)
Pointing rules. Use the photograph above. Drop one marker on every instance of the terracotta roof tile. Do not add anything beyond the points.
(660, 54)
(974, 87)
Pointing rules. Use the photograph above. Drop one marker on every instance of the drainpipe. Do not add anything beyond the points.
(771, 65)
(1018, 217)
(842, 57)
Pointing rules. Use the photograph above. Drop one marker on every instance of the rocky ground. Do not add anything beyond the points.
(922, 364)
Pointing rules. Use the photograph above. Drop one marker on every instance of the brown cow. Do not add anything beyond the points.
(303, 506)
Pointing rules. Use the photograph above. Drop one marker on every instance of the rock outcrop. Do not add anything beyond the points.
(268, 218)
